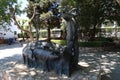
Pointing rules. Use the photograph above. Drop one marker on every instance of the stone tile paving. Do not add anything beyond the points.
(91, 60)
(109, 62)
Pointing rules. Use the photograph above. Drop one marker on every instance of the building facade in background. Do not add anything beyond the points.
(8, 31)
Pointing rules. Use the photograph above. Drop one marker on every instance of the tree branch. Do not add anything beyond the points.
(18, 25)
(14, 18)
(118, 1)
(33, 15)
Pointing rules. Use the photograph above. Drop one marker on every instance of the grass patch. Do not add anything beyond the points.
(61, 42)
(82, 44)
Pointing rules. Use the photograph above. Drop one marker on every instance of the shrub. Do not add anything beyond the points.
(91, 44)
(82, 44)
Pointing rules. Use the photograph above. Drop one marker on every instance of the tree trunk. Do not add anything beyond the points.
(23, 36)
(49, 34)
(94, 32)
(31, 36)
(37, 34)
(37, 26)
(118, 1)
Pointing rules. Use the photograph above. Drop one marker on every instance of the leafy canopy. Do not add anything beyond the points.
(5, 5)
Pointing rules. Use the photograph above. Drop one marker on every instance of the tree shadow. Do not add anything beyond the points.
(90, 63)
(108, 61)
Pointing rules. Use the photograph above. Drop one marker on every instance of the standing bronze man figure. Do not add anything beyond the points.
(72, 40)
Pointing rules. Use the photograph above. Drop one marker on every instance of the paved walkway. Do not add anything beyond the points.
(10, 50)
(11, 65)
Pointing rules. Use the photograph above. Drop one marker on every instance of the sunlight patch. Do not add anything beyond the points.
(11, 63)
(23, 73)
(84, 64)
(33, 73)
(21, 66)
(53, 78)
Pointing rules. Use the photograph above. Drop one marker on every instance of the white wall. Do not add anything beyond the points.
(9, 31)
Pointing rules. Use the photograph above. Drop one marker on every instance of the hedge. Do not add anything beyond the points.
(83, 44)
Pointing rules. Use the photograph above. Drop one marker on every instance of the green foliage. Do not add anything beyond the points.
(99, 42)
(23, 24)
(69, 4)
(46, 14)
(92, 13)
(43, 33)
(63, 25)
(5, 5)
(91, 44)
(61, 42)
(47, 18)
(20, 35)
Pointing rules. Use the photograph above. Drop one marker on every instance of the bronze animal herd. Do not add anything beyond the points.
(47, 55)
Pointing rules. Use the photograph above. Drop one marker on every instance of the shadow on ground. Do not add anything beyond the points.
(91, 61)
